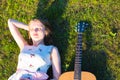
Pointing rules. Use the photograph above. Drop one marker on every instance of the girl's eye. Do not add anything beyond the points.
(39, 29)
(36, 29)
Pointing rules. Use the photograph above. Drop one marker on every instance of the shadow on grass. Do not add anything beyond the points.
(52, 11)
(94, 61)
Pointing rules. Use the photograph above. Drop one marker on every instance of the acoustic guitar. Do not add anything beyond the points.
(77, 74)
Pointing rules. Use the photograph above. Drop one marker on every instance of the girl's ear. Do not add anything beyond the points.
(29, 34)
(46, 33)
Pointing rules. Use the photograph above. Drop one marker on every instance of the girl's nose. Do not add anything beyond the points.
(37, 29)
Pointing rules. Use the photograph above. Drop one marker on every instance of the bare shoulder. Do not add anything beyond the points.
(55, 52)
(55, 49)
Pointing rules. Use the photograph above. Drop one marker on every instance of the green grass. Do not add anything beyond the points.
(101, 41)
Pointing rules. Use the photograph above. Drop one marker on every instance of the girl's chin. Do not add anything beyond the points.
(37, 39)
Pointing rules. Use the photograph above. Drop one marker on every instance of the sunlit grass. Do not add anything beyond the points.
(101, 41)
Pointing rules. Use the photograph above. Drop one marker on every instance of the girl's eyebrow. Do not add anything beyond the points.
(42, 25)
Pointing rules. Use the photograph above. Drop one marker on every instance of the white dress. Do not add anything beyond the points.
(33, 62)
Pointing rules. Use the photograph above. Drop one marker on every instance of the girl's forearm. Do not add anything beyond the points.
(19, 24)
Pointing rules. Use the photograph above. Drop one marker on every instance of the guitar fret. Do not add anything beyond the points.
(79, 57)
(79, 50)
(77, 66)
(79, 40)
(77, 54)
(78, 62)
(79, 46)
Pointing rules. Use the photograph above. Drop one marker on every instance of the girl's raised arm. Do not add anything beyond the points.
(13, 27)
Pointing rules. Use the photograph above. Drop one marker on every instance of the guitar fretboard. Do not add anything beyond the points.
(78, 58)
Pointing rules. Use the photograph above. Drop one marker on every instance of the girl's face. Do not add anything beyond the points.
(37, 31)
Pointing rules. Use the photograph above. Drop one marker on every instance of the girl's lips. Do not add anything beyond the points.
(35, 34)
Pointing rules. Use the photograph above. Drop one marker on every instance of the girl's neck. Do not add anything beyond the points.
(36, 43)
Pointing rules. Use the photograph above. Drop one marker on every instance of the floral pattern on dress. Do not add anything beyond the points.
(33, 60)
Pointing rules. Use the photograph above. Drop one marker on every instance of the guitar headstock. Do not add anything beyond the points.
(81, 26)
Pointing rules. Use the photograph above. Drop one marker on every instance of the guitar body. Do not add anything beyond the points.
(84, 76)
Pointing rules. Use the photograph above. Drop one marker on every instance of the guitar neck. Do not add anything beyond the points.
(78, 58)
(77, 74)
